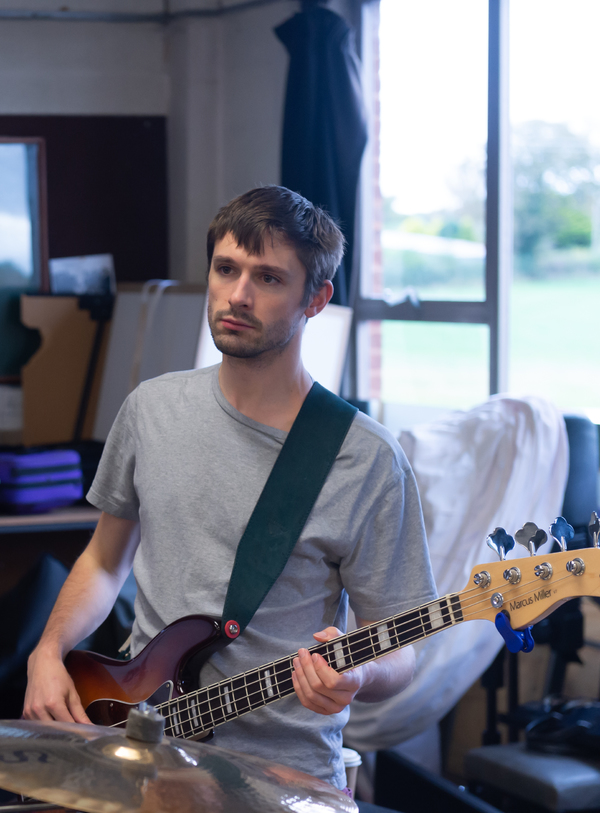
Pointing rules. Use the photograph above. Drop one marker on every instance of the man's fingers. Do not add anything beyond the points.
(328, 634)
(52, 710)
(77, 710)
(312, 700)
(51, 693)
(324, 674)
(319, 687)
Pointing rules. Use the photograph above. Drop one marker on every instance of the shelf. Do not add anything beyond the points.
(77, 518)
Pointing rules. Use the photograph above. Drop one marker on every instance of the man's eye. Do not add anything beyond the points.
(225, 269)
(270, 279)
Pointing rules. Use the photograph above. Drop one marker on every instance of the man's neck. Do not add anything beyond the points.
(269, 391)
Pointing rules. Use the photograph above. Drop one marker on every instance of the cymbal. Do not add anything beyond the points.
(101, 770)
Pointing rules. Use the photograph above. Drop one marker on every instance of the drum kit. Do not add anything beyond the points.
(138, 770)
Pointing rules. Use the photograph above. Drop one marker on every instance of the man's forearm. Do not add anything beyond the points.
(84, 602)
(93, 585)
(387, 676)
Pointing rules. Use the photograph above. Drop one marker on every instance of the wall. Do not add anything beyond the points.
(228, 81)
(220, 80)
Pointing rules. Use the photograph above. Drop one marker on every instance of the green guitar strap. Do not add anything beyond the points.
(285, 503)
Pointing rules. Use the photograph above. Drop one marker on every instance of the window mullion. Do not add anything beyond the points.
(499, 198)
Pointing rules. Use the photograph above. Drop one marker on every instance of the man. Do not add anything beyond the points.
(184, 465)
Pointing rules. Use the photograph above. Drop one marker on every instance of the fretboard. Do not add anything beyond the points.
(204, 709)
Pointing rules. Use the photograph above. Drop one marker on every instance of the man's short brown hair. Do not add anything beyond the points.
(278, 213)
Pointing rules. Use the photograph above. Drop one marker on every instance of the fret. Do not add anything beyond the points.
(374, 650)
(182, 711)
(204, 710)
(266, 683)
(407, 628)
(185, 714)
(255, 693)
(360, 646)
(339, 656)
(175, 719)
(456, 608)
(166, 711)
(194, 711)
(216, 704)
(227, 700)
(239, 691)
(384, 640)
(436, 616)
(205, 707)
(268, 678)
(283, 675)
(326, 652)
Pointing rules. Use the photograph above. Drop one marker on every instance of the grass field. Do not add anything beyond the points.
(554, 350)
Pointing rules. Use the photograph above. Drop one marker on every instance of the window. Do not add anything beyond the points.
(22, 258)
(23, 245)
(437, 282)
(555, 146)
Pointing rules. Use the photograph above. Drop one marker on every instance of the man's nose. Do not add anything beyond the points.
(241, 293)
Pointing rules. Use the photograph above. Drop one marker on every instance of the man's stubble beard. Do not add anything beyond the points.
(247, 346)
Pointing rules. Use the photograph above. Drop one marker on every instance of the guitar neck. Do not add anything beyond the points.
(202, 710)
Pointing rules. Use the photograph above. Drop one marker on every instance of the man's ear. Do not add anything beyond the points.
(320, 299)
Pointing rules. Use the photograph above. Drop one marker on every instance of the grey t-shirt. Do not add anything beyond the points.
(190, 467)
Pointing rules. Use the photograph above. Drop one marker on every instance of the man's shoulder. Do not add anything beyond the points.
(176, 382)
(368, 438)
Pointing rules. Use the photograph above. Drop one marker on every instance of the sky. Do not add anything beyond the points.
(434, 85)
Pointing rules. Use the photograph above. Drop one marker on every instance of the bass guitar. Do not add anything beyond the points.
(523, 590)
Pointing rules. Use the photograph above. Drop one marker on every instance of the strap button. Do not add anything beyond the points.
(232, 629)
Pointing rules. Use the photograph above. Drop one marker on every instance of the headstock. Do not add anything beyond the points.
(532, 586)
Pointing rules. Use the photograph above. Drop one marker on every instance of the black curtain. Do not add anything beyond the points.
(324, 129)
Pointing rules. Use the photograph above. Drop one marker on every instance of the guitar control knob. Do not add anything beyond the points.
(482, 579)
(543, 571)
(497, 601)
(512, 575)
(576, 566)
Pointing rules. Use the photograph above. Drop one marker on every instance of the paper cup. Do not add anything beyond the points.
(352, 761)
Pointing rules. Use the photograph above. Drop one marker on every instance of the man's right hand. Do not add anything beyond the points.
(82, 605)
(51, 694)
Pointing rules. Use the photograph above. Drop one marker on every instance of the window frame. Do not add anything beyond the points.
(493, 310)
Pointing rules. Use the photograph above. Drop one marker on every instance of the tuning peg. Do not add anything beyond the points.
(531, 537)
(500, 542)
(594, 529)
(562, 532)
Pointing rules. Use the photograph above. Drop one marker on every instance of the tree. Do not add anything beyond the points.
(556, 180)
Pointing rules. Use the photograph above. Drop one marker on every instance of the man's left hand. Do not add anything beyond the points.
(318, 686)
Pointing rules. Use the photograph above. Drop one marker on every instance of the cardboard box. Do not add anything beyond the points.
(53, 379)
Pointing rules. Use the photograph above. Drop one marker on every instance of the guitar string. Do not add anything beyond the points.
(222, 706)
(255, 687)
(281, 661)
(257, 684)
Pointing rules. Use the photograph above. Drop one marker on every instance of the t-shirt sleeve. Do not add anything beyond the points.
(113, 489)
(388, 571)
